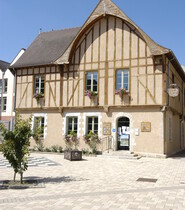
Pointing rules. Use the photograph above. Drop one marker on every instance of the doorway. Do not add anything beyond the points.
(123, 133)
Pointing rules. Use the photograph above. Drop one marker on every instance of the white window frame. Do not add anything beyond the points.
(66, 115)
(45, 121)
(40, 123)
(92, 114)
(67, 125)
(92, 78)
(123, 71)
(92, 123)
(40, 77)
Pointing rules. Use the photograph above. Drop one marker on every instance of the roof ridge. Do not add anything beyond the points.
(4, 61)
(60, 29)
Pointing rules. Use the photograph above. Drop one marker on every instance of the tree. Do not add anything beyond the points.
(15, 145)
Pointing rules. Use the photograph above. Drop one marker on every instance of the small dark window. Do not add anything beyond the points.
(4, 104)
(173, 79)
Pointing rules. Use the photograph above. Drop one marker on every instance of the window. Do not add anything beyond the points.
(173, 79)
(4, 103)
(92, 124)
(5, 88)
(39, 122)
(122, 79)
(39, 84)
(72, 124)
(92, 81)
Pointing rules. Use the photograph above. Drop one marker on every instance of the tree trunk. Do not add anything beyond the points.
(21, 177)
(14, 176)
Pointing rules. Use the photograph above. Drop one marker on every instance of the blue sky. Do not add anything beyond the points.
(20, 21)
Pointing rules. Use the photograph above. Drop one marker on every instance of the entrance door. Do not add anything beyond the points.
(123, 133)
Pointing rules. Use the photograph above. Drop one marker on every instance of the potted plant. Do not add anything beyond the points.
(72, 141)
(92, 140)
(38, 96)
(121, 92)
(90, 94)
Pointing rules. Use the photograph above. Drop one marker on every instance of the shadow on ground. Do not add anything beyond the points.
(179, 155)
(37, 182)
(55, 179)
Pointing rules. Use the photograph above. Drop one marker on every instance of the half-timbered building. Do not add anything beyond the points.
(108, 77)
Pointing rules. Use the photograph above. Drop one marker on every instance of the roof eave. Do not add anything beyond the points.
(171, 56)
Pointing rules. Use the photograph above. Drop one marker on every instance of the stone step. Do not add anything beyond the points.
(120, 155)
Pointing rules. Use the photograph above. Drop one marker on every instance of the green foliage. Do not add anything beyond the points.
(37, 130)
(0, 147)
(15, 144)
(85, 151)
(48, 149)
(92, 140)
(71, 141)
(40, 146)
(37, 134)
(54, 148)
(60, 149)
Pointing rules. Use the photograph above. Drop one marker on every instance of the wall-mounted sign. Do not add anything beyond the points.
(106, 128)
(146, 127)
(113, 130)
(173, 90)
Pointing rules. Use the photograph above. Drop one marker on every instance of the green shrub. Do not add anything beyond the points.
(48, 149)
(85, 151)
(60, 149)
(54, 148)
(40, 147)
(0, 147)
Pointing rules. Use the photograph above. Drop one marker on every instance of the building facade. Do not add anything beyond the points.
(6, 93)
(107, 77)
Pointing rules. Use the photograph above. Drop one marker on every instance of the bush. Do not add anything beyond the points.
(60, 149)
(54, 148)
(40, 147)
(85, 151)
(48, 149)
(0, 147)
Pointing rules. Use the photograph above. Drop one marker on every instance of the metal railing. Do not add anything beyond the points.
(106, 143)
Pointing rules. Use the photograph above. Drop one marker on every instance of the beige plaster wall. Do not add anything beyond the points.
(146, 143)
(25, 87)
(110, 44)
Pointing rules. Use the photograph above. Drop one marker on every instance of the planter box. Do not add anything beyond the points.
(73, 155)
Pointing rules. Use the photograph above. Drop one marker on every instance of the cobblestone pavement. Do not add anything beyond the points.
(100, 183)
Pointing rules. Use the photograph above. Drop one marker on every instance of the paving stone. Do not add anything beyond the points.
(98, 184)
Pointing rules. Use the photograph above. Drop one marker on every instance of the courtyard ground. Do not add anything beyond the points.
(97, 183)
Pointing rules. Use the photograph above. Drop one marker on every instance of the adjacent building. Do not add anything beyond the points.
(6, 93)
(107, 76)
